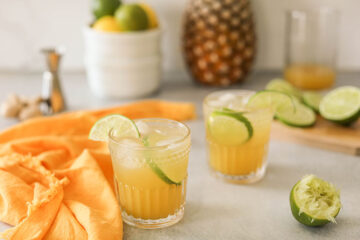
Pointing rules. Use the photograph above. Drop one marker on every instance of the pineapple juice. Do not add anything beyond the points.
(310, 76)
(234, 161)
(150, 173)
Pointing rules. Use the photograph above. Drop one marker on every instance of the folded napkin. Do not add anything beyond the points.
(56, 184)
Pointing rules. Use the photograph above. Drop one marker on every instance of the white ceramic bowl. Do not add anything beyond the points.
(126, 80)
(129, 44)
(123, 65)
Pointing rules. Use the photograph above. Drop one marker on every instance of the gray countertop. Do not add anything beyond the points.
(218, 210)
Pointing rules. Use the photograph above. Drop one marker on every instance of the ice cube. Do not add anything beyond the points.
(131, 142)
(223, 100)
(227, 97)
(143, 127)
(168, 141)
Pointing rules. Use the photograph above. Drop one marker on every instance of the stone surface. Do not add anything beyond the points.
(218, 210)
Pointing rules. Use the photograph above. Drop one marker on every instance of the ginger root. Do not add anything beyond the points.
(21, 107)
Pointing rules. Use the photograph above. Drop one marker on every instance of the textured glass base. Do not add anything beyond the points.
(151, 223)
(241, 179)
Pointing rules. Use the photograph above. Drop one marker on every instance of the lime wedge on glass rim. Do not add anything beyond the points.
(229, 127)
(312, 100)
(124, 127)
(341, 105)
(314, 202)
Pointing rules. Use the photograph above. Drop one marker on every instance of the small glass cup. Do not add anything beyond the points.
(244, 162)
(311, 44)
(150, 181)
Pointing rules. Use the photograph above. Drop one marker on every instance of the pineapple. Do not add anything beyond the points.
(219, 40)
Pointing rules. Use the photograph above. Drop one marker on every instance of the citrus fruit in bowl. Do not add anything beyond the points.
(107, 24)
(132, 17)
(101, 8)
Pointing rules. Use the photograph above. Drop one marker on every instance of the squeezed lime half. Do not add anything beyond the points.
(314, 202)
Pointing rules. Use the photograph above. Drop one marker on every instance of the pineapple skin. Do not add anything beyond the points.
(219, 41)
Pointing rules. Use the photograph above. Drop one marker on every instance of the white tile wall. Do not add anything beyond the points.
(28, 25)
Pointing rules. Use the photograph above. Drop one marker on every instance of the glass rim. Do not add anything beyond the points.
(318, 11)
(241, 91)
(113, 139)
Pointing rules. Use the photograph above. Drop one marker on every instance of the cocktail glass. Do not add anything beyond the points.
(230, 158)
(150, 173)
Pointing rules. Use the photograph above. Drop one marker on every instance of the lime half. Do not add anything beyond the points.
(124, 127)
(314, 202)
(121, 125)
(281, 85)
(312, 100)
(302, 117)
(229, 127)
(341, 105)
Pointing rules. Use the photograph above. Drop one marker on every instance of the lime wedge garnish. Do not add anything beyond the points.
(160, 171)
(281, 85)
(124, 127)
(314, 202)
(312, 100)
(121, 125)
(341, 105)
(278, 101)
(302, 117)
(229, 127)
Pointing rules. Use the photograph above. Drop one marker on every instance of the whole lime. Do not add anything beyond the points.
(132, 17)
(102, 8)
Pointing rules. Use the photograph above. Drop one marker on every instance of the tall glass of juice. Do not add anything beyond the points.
(311, 44)
(237, 137)
(150, 173)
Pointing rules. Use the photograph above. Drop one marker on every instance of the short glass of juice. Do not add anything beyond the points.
(237, 136)
(150, 173)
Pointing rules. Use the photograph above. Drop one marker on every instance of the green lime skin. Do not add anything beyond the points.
(346, 122)
(131, 17)
(303, 217)
(102, 8)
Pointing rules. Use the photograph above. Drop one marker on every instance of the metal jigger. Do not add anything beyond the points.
(53, 98)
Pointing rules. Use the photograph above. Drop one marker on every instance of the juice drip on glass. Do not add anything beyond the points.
(310, 76)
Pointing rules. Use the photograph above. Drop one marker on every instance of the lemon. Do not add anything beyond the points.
(153, 21)
(107, 24)
(132, 17)
(102, 8)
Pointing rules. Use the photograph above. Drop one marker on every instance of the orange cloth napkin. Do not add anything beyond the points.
(55, 184)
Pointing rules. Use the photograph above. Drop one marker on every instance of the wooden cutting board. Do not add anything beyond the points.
(324, 135)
